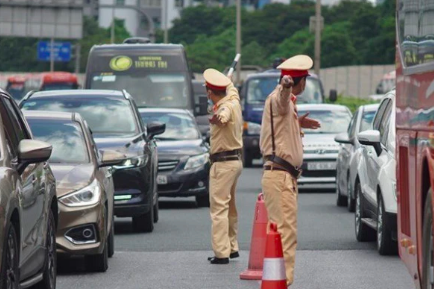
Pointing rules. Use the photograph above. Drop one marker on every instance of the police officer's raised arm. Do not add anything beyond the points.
(284, 95)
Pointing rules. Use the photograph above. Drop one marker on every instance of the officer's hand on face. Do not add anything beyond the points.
(306, 122)
(287, 81)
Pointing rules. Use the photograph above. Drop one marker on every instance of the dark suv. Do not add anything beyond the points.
(28, 204)
(116, 124)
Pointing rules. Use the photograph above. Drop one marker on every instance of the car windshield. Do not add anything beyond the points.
(332, 121)
(16, 91)
(66, 138)
(104, 115)
(259, 88)
(179, 126)
(148, 89)
(367, 118)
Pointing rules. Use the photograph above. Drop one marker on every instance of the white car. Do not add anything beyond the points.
(349, 155)
(376, 202)
(319, 148)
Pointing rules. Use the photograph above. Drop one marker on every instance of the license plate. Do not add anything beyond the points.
(161, 180)
(321, 166)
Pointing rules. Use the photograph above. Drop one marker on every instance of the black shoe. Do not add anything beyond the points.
(234, 255)
(219, 261)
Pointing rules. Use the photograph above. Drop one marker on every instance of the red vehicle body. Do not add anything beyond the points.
(15, 86)
(52, 81)
(415, 137)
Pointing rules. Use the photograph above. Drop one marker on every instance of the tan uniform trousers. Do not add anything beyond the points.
(224, 216)
(280, 196)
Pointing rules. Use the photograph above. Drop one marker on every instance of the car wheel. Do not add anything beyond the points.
(427, 245)
(385, 244)
(203, 201)
(111, 239)
(247, 159)
(351, 202)
(98, 262)
(50, 267)
(341, 201)
(10, 273)
(156, 212)
(145, 222)
(363, 232)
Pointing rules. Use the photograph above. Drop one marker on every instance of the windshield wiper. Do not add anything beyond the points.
(166, 138)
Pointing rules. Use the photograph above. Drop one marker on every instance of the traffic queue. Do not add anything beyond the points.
(132, 135)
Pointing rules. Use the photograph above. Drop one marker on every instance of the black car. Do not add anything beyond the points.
(116, 125)
(183, 155)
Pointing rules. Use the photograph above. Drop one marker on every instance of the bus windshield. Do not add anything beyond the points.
(259, 88)
(149, 89)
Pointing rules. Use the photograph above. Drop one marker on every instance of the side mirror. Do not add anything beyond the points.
(343, 138)
(333, 96)
(370, 138)
(32, 151)
(203, 105)
(111, 158)
(155, 128)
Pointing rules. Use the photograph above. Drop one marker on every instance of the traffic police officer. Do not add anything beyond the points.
(226, 144)
(282, 149)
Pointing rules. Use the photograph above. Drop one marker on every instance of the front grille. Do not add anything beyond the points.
(164, 166)
(172, 187)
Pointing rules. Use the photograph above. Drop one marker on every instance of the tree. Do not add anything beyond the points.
(296, 44)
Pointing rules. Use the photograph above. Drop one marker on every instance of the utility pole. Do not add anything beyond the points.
(52, 54)
(112, 31)
(166, 28)
(238, 40)
(317, 37)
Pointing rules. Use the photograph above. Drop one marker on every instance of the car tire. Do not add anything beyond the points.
(385, 243)
(247, 159)
(341, 201)
(50, 266)
(427, 242)
(203, 201)
(363, 232)
(10, 276)
(144, 223)
(156, 211)
(351, 202)
(111, 239)
(98, 262)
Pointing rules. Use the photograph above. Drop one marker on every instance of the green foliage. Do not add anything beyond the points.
(352, 103)
(355, 32)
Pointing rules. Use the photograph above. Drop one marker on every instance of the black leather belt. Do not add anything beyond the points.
(225, 156)
(294, 171)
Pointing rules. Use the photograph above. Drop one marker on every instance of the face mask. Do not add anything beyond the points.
(210, 106)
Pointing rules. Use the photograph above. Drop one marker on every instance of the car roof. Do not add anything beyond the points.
(49, 115)
(165, 110)
(320, 106)
(370, 107)
(272, 73)
(77, 93)
(138, 46)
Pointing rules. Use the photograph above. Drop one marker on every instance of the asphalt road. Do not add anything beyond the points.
(174, 255)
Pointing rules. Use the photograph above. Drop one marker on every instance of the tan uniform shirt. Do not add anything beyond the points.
(228, 135)
(287, 136)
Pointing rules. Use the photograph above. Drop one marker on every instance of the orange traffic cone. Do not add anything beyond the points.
(257, 245)
(274, 267)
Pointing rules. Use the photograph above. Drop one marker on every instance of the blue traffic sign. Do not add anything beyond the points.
(62, 51)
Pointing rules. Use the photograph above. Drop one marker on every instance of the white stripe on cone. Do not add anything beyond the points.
(274, 269)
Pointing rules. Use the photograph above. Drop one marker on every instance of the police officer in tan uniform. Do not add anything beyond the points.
(226, 144)
(282, 149)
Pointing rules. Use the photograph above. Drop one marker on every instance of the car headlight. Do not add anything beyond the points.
(196, 161)
(85, 197)
(132, 162)
(252, 128)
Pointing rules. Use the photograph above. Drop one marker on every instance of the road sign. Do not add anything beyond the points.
(62, 51)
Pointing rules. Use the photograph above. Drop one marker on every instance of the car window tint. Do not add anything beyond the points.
(384, 125)
(11, 140)
(353, 124)
(380, 113)
(19, 128)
